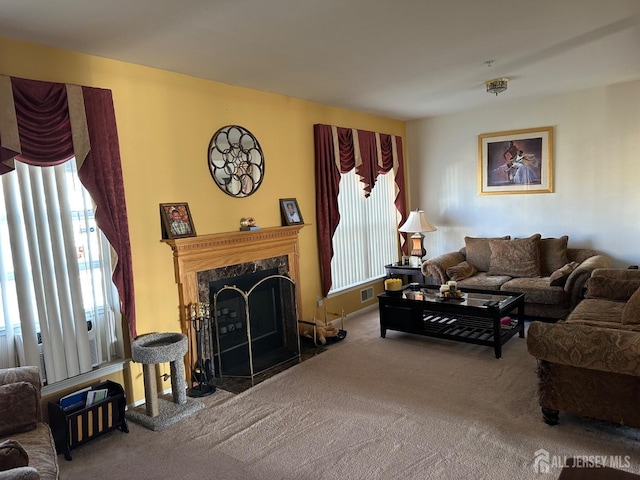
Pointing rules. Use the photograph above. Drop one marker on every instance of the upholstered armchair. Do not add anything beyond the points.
(27, 450)
(590, 364)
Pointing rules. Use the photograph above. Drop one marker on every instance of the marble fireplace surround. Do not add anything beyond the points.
(195, 257)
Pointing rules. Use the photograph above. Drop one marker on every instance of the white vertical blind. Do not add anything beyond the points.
(366, 238)
(7, 344)
(23, 306)
(54, 274)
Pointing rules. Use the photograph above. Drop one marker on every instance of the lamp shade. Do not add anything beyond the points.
(417, 222)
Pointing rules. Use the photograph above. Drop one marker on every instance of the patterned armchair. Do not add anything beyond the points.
(589, 364)
(27, 450)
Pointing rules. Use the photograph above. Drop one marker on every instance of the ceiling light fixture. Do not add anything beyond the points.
(497, 85)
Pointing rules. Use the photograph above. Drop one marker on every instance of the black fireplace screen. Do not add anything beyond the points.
(254, 323)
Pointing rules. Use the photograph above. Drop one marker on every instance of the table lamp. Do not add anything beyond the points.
(417, 223)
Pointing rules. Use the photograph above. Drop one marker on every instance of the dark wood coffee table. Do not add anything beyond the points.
(418, 309)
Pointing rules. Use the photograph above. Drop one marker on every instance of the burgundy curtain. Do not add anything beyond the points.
(49, 124)
(43, 122)
(371, 154)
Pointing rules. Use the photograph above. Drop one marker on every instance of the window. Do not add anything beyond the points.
(366, 238)
(58, 306)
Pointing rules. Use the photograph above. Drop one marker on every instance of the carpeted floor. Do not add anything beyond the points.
(404, 407)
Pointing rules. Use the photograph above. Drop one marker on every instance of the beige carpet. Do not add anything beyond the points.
(404, 407)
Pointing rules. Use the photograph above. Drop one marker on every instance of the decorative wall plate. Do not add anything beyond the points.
(236, 161)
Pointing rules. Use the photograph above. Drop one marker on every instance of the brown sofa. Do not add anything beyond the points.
(21, 421)
(551, 275)
(589, 364)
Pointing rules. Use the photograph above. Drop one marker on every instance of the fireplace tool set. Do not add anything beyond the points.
(202, 373)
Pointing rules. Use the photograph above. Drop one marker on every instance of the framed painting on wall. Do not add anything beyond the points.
(516, 161)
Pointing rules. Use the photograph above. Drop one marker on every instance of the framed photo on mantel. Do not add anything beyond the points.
(176, 221)
(516, 161)
(290, 212)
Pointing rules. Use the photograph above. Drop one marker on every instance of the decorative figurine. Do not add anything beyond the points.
(248, 223)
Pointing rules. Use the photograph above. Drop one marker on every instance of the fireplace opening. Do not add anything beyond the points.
(255, 323)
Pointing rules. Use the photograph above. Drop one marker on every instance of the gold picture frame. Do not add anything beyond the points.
(516, 161)
(176, 221)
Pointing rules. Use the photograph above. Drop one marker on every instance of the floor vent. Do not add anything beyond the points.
(366, 294)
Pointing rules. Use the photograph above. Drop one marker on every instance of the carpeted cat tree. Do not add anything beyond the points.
(152, 349)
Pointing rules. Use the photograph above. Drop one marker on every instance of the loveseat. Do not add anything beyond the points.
(550, 274)
(589, 364)
(27, 450)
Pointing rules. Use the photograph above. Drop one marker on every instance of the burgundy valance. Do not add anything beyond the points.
(44, 123)
(339, 150)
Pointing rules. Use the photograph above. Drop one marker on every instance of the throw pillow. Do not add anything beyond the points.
(611, 288)
(12, 455)
(631, 311)
(478, 252)
(553, 254)
(559, 277)
(461, 271)
(19, 407)
(519, 257)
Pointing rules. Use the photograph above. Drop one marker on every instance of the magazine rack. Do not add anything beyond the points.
(75, 426)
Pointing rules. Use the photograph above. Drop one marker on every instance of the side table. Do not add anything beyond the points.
(415, 273)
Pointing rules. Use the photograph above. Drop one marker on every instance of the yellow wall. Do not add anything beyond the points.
(165, 121)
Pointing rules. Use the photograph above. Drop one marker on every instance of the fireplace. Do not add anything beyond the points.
(205, 259)
(254, 323)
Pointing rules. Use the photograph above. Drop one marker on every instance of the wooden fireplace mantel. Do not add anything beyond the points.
(205, 252)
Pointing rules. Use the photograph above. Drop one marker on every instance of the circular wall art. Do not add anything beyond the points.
(236, 161)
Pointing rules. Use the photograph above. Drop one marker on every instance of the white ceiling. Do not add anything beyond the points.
(403, 59)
